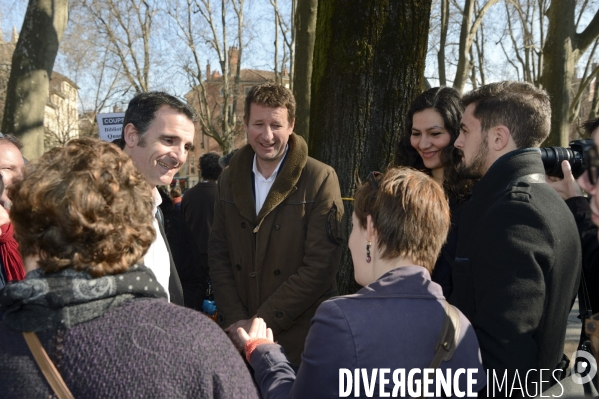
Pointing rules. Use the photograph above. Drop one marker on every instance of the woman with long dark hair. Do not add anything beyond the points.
(433, 125)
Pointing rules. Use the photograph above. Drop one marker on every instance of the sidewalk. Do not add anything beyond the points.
(572, 332)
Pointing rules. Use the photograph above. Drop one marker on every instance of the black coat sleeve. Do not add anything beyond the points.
(590, 246)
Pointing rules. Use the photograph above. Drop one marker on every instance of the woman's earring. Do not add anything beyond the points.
(368, 258)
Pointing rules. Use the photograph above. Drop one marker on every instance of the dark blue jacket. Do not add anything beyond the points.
(392, 323)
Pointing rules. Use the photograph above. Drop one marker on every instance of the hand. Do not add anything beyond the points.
(232, 332)
(566, 187)
(257, 330)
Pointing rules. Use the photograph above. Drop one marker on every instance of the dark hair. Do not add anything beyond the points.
(83, 206)
(9, 138)
(209, 167)
(591, 125)
(445, 101)
(520, 106)
(143, 107)
(271, 95)
(225, 160)
(409, 213)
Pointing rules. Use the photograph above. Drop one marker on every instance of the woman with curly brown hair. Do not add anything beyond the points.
(432, 126)
(82, 216)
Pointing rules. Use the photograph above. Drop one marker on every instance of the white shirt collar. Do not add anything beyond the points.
(157, 199)
(274, 174)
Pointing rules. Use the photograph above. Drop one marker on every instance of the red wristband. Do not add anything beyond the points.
(253, 344)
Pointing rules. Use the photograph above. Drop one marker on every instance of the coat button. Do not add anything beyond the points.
(279, 314)
(277, 272)
(243, 225)
(238, 267)
(277, 227)
(252, 274)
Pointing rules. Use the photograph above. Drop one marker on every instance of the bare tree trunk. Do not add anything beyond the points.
(563, 48)
(274, 4)
(369, 60)
(32, 64)
(464, 62)
(471, 21)
(305, 27)
(443, 42)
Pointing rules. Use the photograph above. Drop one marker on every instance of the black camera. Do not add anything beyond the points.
(576, 155)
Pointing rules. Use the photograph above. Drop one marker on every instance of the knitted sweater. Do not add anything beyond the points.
(143, 348)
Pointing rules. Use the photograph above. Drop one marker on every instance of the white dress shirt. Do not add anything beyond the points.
(157, 257)
(263, 185)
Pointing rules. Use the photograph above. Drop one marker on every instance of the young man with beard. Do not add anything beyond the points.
(158, 132)
(274, 247)
(518, 256)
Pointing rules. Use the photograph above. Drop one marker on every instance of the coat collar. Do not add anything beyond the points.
(507, 168)
(284, 184)
(405, 281)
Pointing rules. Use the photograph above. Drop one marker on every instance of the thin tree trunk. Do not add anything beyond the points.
(274, 4)
(305, 27)
(443, 42)
(464, 62)
(369, 60)
(32, 64)
(558, 69)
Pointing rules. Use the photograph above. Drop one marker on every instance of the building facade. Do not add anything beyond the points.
(61, 116)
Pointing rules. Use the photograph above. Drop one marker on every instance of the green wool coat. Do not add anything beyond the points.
(279, 264)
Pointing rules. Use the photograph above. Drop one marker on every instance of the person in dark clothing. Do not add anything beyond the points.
(194, 277)
(176, 197)
(433, 125)
(83, 217)
(198, 207)
(198, 203)
(518, 257)
(580, 207)
(225, 160)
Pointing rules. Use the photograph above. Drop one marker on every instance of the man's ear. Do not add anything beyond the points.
(292, 125)
(499, 137)
(130, 135)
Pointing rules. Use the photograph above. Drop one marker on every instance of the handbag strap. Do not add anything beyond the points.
(45, 364)
(448, 339)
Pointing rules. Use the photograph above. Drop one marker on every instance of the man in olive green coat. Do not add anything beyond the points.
(275, 243)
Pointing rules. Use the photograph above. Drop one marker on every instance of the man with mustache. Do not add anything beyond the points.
(518, 255)
(158, 132)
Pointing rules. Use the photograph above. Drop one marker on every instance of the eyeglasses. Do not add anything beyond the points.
(373, 179)
(592, 161)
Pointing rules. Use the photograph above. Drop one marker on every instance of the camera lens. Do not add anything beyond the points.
(552, 158)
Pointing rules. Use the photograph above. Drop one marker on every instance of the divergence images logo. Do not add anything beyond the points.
(585, 370)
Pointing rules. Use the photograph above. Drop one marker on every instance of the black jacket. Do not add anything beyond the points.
(581, 209)
(444, 264)
(182, 246)
(517, 267)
